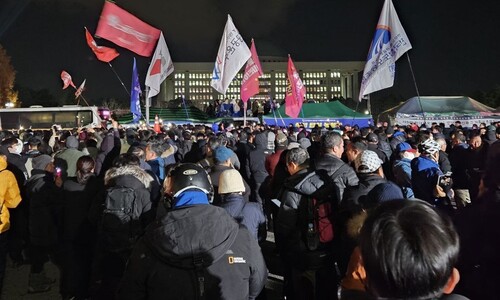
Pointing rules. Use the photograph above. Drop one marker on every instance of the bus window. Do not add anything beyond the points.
(36, 120)
(67, 119)
(84, 118)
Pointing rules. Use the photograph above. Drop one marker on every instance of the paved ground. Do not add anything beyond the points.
(16, 279)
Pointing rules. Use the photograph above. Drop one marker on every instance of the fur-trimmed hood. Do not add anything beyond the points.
(135, 171)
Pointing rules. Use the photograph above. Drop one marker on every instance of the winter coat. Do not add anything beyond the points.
(444, 162)
(424, 178)
(256, 169)
(183, 148)
(109, 150)
(45, 205)
(243, 149)
(402, 176)
(77, 201)
(272, 160)
(459, 162)
(140, 181)
(246, 213)
(331, 164)
(231, 265)
(289, 228)
(70, 157)
(9, 193)
(197, 152)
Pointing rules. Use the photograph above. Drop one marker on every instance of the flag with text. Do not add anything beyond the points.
(161, 66)
(389, 43)
(126, 30)
(232, 55)
(295, 91)
(67, 81)
(253, 70)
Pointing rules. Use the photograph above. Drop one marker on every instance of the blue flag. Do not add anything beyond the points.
(135, 103)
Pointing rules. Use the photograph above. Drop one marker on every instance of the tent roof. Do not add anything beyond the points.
(170, 114)
(334, 109)
(441, 105)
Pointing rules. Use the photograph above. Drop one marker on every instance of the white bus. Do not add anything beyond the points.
(38, 117)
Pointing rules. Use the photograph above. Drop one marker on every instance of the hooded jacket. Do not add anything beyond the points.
(257, 159)
(194, 250)
(424, 178)
(244, 212)
(347, 177)
(9, 192)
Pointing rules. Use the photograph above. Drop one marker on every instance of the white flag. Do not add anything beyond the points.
(389, 43)
(161, 66)
(79, 90)
(233, 54)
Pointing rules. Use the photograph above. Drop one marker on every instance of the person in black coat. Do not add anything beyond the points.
(45, 202)
(78, 233)
(256, 167)
(194, 250)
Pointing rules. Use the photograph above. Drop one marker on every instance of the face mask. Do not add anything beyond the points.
(409, 155)
(18, 148)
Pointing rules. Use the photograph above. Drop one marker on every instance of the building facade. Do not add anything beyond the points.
(323, 81)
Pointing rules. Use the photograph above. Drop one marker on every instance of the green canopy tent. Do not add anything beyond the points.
(177, 115)
(324, 114)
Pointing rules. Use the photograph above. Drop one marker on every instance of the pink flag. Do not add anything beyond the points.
(80, 89)
(250, 82)
(126, 30)
(67, 81)
(295, 91)
(102, 53)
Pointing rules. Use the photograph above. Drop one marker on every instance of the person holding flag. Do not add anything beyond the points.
(135, 104)
(389, 43)
(250, 82)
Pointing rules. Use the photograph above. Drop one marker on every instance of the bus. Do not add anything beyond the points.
(39, 117)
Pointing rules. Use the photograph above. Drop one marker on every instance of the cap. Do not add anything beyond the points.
(404, 147)
(230, 181)
(367, 162)
(372, 138)
(221, 154)
(281, 139)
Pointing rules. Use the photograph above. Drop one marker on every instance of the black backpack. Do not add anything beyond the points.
(120, 225)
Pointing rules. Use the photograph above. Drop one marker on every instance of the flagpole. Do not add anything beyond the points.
(284, 125)
(113, 69)
(245, 113)
(416, 87)
(147, 106)
(185, 107)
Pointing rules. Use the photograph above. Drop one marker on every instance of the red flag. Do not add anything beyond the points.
(104, 54)
(67, 81)
(253, 69)
(295, 91)
(126, 30)
(80, 89)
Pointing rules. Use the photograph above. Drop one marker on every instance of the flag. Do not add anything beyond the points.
(126, 30)
(102, 53)
(295, 91)
(80, 89)
(389, 43)
(67, 81)
(233, 54)
(253, 69)
(135, 104)
(161, 66)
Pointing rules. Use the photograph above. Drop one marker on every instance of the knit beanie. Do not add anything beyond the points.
(230, 181)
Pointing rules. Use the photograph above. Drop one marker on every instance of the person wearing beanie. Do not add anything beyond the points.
(222, 159)
(402, 168)
(231, 189)
(44, 195)
(67, 158)
(426, 174)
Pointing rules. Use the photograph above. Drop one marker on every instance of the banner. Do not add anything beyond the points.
(124, 29)
(295, 91)
(233, 54)
(253, 70)
(102, 53)
(135, 92)
(161, 66)
(389, 43)
(67, 81)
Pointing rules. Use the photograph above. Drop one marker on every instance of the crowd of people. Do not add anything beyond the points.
(381, 212)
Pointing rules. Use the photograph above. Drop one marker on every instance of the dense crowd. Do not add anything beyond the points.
(382, 212)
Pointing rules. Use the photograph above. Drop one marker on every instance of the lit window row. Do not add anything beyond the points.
(314, 75)
(200, 90)
(200, 76)
(179, 83)
(316, 89)
(179, 76)
(199, 83)
(281, 82)
(179, 90)
(279, 75)
(201, 97)
(335, 74)
(335, 89)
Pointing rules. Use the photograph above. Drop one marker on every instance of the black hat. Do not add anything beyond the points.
(372, 138)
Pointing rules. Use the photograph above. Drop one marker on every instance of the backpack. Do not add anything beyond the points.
(120, 224)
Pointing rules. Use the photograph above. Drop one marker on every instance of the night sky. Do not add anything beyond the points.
(456, 44)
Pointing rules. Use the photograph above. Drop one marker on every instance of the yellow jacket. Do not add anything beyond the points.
(10, 196)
